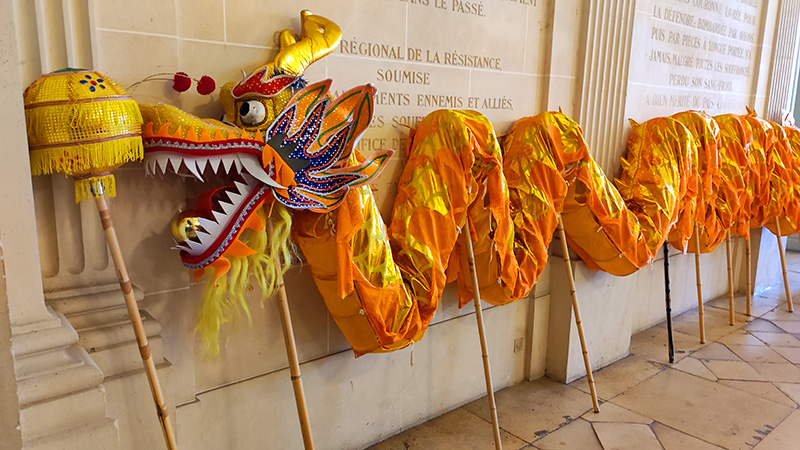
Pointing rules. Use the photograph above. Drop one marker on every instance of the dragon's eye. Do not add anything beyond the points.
(252, 113)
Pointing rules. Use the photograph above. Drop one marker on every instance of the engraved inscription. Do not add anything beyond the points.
(702, 52)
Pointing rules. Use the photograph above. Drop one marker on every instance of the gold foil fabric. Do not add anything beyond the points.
(786, 176)
(736, 135)
(619, 229)
(762, 163)
(713, 205)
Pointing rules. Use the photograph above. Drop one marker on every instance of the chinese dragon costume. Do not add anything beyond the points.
(287, 146)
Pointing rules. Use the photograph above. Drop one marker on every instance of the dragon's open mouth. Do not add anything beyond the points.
(210, 229)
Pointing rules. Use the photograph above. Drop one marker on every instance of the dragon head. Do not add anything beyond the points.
(280, 139)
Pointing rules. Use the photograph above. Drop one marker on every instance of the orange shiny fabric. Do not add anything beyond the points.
(736, 135)
(652, 185)
(619, 231)
(762, 163)
(692, 205)
(383, 298)
(786, 179)
(536, 191)
(715, 200)
(348, 253)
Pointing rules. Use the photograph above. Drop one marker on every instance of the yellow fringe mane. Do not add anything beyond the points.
(224, 296)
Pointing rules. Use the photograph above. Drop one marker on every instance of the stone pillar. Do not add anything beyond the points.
(61, 400)
(9, 415)
(609, 27)
(782, 85)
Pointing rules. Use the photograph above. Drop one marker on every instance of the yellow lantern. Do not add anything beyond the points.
(83, 124)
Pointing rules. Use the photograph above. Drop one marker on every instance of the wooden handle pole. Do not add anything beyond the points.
(730, 277)
(576, 312)
(748, 273)
(136, 321)
(700, 316)
(668, 301)
(487, 373)
(783, 267)
(294, 362)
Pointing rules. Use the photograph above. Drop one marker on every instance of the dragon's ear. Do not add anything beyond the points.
(319, 38)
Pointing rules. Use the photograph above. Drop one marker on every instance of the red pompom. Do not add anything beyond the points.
(206, 85)
(181, 82)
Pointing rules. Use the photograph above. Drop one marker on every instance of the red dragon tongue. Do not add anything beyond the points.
(258, 83)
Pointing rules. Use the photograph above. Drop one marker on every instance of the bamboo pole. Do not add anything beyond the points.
(576, 312)
(487, 373)
(730, 277)
(783, 267)
(700, 316)
(748, 273)
(136, 319)
(291, 354)
(668, 301)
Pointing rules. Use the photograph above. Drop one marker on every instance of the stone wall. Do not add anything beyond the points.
(602, 62)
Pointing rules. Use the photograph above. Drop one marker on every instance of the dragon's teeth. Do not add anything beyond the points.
(175, 162)
(194, 169)
(227, 162)
(149, 166)
(201, 165)
(241, 188)
(219, 216)
(210, 227)
(253, 168)
(215, 164)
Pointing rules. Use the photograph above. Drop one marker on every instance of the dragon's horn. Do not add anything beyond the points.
(319, 38)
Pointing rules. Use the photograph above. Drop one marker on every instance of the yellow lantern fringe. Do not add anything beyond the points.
(224, 293)
(83, 187)
(87, 158)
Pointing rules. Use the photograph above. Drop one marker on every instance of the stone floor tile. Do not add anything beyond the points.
(763, 389)
(777, 339)
(716, 323)
(577, 434)
(652, 344)
(792, 354)
(763, 325)
(716, 351)
(610, 412)
(695, 367)
(777, 294)
(734, 370)
(778, 373)
(533, 408)
(620, 376)
(790, 389)
(675, 440)
(721, 415)
(790, 326)
(457, 429)
(780, 313)
(785, 436)
(626, 436)
(757, 353)
(740, 337)
(760, 305)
